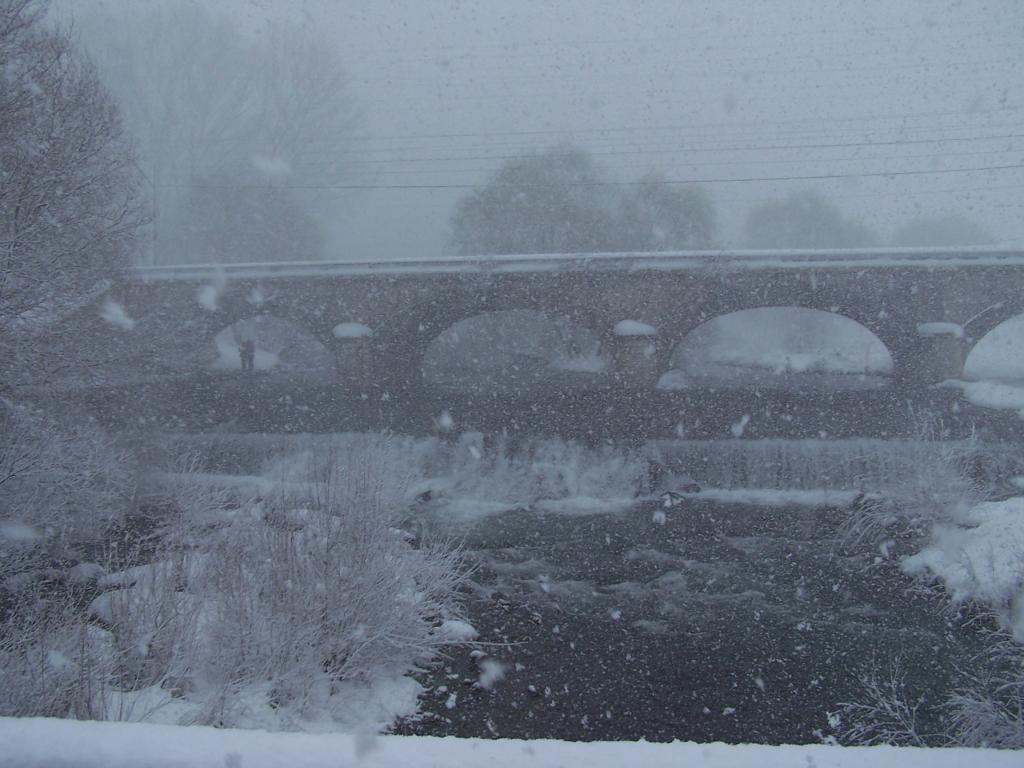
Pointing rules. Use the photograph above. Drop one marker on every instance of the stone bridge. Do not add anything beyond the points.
(409, 303)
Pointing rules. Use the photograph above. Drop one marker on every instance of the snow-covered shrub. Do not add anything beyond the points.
(268, 617)
(52, 662)
(988, 709)
(933, 479)
(62, 489)
(306, 590)
(152, 612)
(60, 486)
(293, 611)
(886, 712)
(181, 500)
(978, 558)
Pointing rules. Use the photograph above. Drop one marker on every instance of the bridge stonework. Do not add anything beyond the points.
(410, 303)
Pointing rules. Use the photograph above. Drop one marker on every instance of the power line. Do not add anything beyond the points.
(504, 49)
(713, 163)
(502, 79)
(685, 127)
(683, 150)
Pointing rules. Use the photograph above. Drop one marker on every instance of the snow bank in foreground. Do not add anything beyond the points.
(35, 743)
(981, 559)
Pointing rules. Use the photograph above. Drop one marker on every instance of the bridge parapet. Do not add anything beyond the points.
(408, 303)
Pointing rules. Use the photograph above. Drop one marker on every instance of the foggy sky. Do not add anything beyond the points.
(693, 90)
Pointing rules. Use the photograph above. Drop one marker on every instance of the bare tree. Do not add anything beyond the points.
(68, 206)
(216, 113)
(68, 214)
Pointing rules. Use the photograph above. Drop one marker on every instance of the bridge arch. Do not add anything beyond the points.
(510, 349)
(779, 347)
(281, 345)
(998, 353)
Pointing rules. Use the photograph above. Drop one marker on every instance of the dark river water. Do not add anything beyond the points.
(731, 623)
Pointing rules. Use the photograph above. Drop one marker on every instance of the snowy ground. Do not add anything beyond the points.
(601, 613)
(978, 556)
(40, 743)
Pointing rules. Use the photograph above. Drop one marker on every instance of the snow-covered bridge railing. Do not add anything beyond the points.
(869, 258)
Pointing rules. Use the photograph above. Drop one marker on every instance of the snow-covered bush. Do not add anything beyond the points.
(45, 656)
(886, 713)
(60, 486)
(978, 558)
(972, 550)
(988, 709)
(180, 500)
(297, 602)
(268, 617)
(933, 479)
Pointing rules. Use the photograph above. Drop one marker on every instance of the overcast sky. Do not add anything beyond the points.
(694, 90)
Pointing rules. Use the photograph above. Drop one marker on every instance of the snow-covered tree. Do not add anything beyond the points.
(551, 202)
(559, 201)
(804, 220)
(656, 216)
(68, 206)
(237, 217)
(68, 214)
(951, 229)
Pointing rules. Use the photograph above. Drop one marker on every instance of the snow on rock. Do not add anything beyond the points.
(457, 631)
(634, 328)
(980, 559)
(940, 329)
(114, 314)
(352, 331)
(41, 742)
